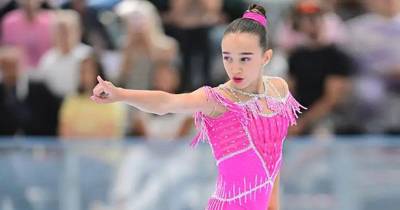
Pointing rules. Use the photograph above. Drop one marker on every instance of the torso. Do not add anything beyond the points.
(246, 137)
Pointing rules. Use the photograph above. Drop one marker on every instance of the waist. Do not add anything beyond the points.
(247, 187)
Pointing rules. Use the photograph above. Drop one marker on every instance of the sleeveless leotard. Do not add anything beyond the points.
(247, 146)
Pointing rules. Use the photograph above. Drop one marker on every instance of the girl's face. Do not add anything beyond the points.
(244, 59)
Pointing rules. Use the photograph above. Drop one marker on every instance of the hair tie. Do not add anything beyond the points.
(261, 19)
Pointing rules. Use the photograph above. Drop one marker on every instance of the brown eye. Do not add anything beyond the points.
(245, 59)
(227, 58)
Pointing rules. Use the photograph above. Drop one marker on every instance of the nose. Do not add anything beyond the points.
(237, 69)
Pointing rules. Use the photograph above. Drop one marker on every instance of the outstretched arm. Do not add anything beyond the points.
(158, 102)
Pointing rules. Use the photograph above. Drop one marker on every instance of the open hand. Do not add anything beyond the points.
(104, 92)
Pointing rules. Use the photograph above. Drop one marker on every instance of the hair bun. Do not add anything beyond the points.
(257, 8)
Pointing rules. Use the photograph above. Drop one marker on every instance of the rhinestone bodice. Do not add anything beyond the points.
(246, 144)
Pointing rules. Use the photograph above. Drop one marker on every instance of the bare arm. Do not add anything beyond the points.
(157, 102)
(274, 201)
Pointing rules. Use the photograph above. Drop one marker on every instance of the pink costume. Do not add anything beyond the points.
(247, 146)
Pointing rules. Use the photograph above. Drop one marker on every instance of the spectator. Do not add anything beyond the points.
(348, 9)
(26, 107)
(30, 29)
(375, 45)
(164, 127)
(80, 117)
(288, 38)
(94, 33)
(59, 67)
(145, 44)
(318, 70)
(190, 23)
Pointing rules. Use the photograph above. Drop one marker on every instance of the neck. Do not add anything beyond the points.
(30, 15)
(257, 87)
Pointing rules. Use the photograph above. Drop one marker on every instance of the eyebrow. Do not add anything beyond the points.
(242, 53)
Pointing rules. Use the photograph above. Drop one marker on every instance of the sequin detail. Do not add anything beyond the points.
(247, 147)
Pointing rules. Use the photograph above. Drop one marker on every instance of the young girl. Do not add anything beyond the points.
(245, 120)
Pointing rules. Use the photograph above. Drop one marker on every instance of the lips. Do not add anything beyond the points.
(237, 79)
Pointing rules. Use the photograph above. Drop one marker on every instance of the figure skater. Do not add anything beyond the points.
(244, 120)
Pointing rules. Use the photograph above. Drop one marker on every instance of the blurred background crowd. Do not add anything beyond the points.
(340, 57)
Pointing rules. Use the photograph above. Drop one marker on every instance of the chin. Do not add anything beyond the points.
(240, 85)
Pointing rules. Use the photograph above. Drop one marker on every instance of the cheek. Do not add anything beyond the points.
(227, 66)
(254, 65)
(254, 69)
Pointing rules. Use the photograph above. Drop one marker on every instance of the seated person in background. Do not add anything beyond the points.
(169, 126)
(145, 44)
(28, 27)
(374, 44)
(26, 107)
(94, 33)
(59, 66)
(318, 73)
(288, 38)
(80, 117)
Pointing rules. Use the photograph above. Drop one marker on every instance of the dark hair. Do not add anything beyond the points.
(245, 25)
(98, 66)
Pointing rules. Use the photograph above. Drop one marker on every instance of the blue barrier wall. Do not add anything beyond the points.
(358, 173)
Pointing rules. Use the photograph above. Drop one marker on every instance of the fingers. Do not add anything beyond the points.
(101, 91)
(98, 89)
(100, 100)
(96, 99)
(93, 98)
(101, 81)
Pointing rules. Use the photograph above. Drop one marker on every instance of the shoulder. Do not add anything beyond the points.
(278, 85)
(191, 102)
(166, 43)
(12, 17)
(49, 56)
(205, 91)
(212, 100)
(48, 59)
(82, 51)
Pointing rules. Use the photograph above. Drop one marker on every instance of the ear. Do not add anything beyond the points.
(267, 56)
